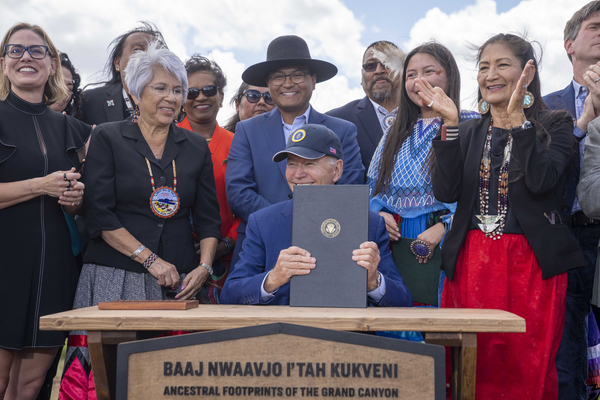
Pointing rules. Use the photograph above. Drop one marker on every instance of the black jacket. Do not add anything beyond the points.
(118, 189)
(539, 190)
(103, 104)
(362, 114)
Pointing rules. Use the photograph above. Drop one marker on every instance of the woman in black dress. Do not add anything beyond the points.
(39, 155)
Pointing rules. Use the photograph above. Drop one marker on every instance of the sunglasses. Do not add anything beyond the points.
(372, 66)
(207, 91)
(253, 96)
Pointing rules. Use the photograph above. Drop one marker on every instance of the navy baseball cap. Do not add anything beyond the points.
(312, 141)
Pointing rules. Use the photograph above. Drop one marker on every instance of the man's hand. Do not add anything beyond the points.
(291, 261)
(367, 256)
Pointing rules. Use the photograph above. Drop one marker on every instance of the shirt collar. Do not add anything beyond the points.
(381, 109)
(579, 89)
(300, 119)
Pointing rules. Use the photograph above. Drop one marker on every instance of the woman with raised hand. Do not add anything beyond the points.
(40, 154)
(508, 248)
(399, 175)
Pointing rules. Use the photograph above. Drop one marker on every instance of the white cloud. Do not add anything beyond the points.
(236, 33)
(542, 20)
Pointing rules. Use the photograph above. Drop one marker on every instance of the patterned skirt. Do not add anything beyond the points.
(98, 284)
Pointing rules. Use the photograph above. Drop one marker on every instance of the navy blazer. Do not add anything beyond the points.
(565, 100)
(254, 181)
(362, 114)
(269, 231)
(103, 104)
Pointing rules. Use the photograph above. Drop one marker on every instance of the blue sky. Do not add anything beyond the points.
(397, 23)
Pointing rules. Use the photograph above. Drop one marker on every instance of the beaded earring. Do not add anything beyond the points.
(136, 115)
(483, 107)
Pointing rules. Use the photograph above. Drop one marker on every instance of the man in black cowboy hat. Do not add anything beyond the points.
(253, 181)
(268, 261)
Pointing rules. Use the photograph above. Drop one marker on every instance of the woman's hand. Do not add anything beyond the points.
(390, 225)
(55, 184)
(438, 101)
(165, 273)
(432, 236)
(73, 196)
(192, 283)
(515, 105)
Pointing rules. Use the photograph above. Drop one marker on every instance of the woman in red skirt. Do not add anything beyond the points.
(508, 248)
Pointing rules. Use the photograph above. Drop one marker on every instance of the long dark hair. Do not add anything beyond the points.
(236, 100)
(73, 108)
(408, 112)
(539, 112)
(110, 71)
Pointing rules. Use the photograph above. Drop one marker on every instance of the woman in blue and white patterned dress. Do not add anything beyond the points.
(399, 175)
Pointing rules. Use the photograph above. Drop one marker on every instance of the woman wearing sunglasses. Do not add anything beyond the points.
(249, 101)
(38, 180)
(205, 98)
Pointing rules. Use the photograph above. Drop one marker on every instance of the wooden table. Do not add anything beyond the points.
(456, 328)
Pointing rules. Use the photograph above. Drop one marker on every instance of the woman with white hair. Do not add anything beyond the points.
(145, 177)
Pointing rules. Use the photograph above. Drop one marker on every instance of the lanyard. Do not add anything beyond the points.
(152, 176)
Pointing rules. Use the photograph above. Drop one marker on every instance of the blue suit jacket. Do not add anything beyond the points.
(254, 181)
(269, 231)
(362, 114)
(565, 100)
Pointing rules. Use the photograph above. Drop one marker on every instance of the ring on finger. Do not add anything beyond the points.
(430, 104)
(69, 184)
(65, 176)
(595, 81)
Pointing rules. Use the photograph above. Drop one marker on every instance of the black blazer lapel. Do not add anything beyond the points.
(131, 131)
(113, 103)
(368, 117)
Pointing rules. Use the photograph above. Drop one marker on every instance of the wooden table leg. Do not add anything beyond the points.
(103, 354)
(463, 353)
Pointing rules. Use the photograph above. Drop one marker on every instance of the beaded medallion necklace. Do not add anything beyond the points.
(493, 225)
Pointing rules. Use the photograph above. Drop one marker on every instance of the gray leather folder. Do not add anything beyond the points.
(331, 221)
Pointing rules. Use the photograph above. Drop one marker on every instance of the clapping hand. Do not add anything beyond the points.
(515, 105)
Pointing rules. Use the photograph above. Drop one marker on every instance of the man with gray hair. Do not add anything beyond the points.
(582, 40)
(382, 65)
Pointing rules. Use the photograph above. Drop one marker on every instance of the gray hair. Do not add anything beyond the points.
(574, 24)
(141, 66)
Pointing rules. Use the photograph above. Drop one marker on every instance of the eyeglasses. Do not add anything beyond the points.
(372, 66)
(207, 91)
(164, 91)
(36, 51)
(296, 77)
(253, 96)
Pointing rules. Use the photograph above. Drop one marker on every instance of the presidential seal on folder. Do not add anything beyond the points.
(330, 222)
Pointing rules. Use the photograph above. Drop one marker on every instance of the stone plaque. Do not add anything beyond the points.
(279, 361)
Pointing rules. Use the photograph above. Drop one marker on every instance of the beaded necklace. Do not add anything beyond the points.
(493, 225)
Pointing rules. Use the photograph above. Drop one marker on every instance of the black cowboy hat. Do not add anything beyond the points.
(287, 51)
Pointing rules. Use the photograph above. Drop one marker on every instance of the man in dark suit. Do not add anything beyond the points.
(376, 112)
(581, 44)
(253, 181)
(112, 101)
(268, 260)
